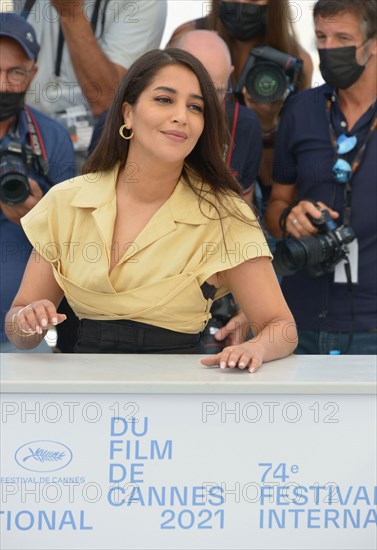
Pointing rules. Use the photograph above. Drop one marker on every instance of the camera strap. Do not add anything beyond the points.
(93, 23)
(356, 161)
(232, 117)
(28, 6)
(36, 143)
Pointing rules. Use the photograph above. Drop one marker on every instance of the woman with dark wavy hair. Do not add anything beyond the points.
(153, 232)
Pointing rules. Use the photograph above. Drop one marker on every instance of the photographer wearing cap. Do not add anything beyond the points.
(35, 153)
(325, 195)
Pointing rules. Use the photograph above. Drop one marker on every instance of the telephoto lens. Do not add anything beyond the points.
(318, 253)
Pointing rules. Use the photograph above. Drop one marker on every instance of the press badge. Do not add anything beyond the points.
(353, 257)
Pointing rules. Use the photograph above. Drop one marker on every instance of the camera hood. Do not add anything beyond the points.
(270, 75)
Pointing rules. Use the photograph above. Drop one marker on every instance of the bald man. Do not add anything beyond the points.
(212, 52)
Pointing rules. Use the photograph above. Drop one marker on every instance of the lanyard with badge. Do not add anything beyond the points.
(346, 271)
(343, 172)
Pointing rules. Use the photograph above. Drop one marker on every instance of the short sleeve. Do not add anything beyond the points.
(237, 239)
(132, 28)
(41, 227)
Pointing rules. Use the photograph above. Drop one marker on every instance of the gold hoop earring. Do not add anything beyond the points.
(121, 129)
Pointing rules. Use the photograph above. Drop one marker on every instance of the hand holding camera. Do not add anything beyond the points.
(302, 219)
(318, 247)
(14, 212)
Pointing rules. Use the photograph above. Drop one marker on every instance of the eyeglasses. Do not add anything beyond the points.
(342, 170)
(16, 75)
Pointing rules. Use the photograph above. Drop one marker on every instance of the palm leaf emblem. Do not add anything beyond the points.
(44, 455)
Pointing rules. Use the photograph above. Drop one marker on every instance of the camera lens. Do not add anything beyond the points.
(320, 248)
(289, 256)
(14, 185)
(266, 83)
(292, 255)
(319, 253)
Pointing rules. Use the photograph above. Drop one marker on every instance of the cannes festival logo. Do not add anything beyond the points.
(43, 456)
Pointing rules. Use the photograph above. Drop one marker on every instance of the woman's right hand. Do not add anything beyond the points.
(37, 317)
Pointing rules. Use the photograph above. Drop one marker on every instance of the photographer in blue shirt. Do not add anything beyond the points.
(35, 153)
(325, 195)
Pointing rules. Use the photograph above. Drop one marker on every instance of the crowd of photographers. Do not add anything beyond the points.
(319, 212)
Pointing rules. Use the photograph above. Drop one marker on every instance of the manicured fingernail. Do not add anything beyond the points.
(252, 370)
(54, 321)
(38, 329)
(241, 364)
(232, 363)
(44, 323)
(223, 365)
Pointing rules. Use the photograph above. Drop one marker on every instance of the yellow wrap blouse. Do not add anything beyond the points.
(157, 280)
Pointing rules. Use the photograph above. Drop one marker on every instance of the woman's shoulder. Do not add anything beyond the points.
(226, 204)
(221, 200)
(88, 190)
(73, 184)
(79, 184)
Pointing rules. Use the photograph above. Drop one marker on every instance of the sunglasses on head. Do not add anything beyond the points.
(342, 170)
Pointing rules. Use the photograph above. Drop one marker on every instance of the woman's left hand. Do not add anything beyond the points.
(248, 355)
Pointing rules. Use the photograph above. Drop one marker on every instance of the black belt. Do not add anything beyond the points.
(133, 337)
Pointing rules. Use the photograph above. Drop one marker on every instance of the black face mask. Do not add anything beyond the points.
(339, 67)
(243, 21)
(10, 104)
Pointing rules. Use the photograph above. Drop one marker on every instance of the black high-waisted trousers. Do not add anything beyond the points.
(132, 337)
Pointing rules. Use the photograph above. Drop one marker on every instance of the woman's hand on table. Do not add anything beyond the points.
(248, 355)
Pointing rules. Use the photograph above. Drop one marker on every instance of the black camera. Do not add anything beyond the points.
(319, 253)
(222, 311)
(14, 184)
(270, 75)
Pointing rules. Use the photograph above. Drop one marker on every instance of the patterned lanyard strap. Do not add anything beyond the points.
(356, 162)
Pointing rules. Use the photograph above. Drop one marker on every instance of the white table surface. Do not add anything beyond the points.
(183, 374)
